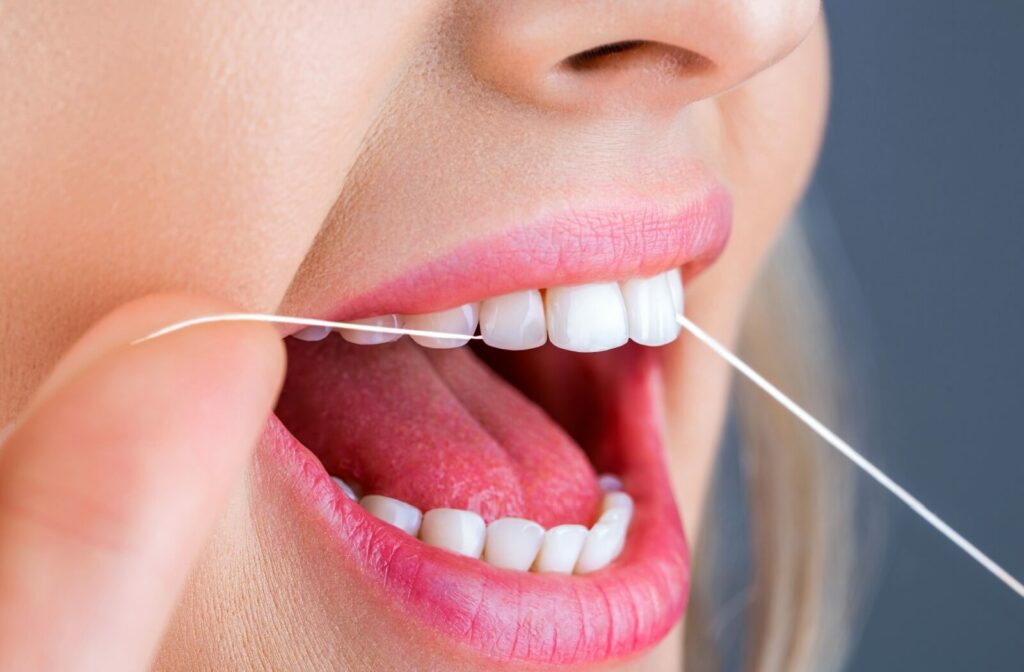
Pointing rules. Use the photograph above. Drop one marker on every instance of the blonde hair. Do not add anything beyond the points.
(799, 607)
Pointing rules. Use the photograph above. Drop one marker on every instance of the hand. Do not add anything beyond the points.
(114, 476)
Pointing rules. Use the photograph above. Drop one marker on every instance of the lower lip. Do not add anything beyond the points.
(520, 616)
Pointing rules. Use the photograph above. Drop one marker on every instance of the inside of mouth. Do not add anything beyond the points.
(498, 433)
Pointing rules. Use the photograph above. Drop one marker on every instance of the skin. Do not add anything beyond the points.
(286, 158)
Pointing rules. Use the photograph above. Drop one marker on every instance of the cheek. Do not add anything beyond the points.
(774, 125)
(771, 130)
(175, 146)
(186, 155)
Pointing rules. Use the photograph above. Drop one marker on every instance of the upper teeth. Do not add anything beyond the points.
(514, 321)
(373, 337)
(587, 318)
(583, 318)
(513, 543)
(652, 310)
(312, 333)
(458, 320)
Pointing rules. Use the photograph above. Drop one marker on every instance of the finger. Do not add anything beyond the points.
(136, 319)
(110, 484)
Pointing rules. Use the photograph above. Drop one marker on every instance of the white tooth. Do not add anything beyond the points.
(609, 483)
(373, 337)
(617, 505)
(405, 517)
(454, 530)
(460, 320)
(312, 333)
(346, 488)
(587, 318)
(604, 543)
(560, 549)
(514, 321)
(675, 284)
(512, 543)
(651, 309)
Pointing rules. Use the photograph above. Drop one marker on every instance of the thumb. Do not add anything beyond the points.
(113, 478)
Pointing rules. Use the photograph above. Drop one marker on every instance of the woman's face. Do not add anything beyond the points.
(345, 160)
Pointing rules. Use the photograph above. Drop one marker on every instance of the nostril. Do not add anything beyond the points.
(591, 58)
(638, 55)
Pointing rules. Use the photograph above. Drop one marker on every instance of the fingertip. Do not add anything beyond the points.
(239, 364)
(141, 317)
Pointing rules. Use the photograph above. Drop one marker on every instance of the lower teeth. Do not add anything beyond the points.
(514, 543)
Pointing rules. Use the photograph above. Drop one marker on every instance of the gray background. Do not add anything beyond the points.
(923, 176)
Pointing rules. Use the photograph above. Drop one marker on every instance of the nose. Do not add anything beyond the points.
(659, 55)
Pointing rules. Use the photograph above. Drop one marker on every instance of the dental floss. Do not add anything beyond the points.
(815, 425)
(300, 321)
(851, 454)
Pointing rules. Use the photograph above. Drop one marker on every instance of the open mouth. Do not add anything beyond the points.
(512, 494)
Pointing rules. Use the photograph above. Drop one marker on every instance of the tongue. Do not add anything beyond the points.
(435, 428)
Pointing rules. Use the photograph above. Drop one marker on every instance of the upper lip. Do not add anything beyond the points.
(631, 238)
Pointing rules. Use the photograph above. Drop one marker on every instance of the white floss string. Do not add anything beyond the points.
(302, 322)
(815, 425)
(851, 454)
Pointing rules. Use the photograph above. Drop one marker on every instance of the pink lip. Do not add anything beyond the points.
(614, 242)
(518, 616)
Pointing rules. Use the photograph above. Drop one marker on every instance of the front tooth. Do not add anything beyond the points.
(675, 284)
(373, 337)
(561, 549)
(512, 543)
(460, 320)
(651, 309)
(312, 333)
(514, 321)
(345, 487)
(454, 530)
(405, 517)
(587, 318)
(604, 543)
